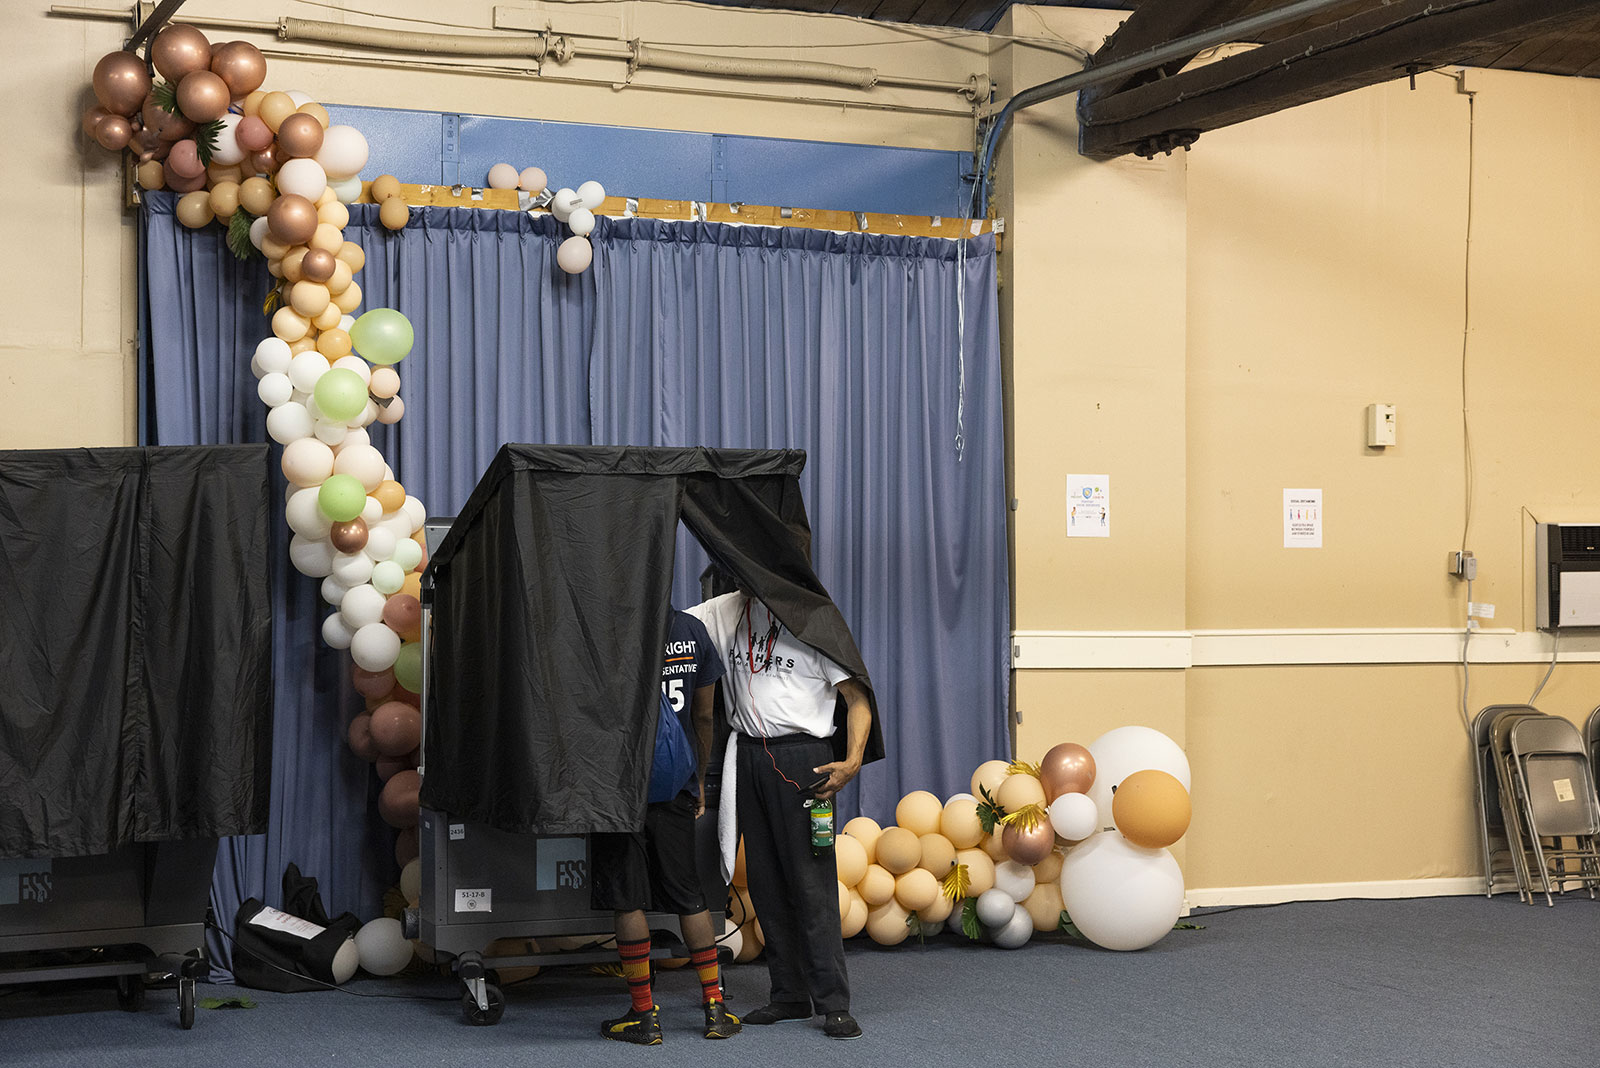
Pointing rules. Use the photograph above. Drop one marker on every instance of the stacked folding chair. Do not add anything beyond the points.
(1542, 773)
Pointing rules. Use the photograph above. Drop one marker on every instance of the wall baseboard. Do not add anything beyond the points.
(1453, 886)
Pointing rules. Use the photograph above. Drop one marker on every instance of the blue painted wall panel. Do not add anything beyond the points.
(426, 147)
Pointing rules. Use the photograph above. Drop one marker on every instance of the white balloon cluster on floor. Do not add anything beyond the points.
(1076, 842)
(575, 207)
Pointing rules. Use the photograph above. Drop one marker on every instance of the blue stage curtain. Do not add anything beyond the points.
(878, 355)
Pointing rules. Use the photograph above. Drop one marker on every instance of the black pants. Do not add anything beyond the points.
(794, 892)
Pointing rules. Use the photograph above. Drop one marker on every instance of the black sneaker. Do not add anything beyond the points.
(720, 1023)
(640, 1028)
(841, 1025)
(777, 1012)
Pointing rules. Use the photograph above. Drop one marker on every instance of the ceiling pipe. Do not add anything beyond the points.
(1182, 48)
(527, 45)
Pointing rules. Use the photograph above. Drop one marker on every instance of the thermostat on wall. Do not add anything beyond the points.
(1380, 425)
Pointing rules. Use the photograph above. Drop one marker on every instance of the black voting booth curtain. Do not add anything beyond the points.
(135, 679)
(550, 608)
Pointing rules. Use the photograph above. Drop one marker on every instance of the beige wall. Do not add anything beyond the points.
(1206, 329)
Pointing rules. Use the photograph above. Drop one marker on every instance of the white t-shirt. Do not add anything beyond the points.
(775, 683)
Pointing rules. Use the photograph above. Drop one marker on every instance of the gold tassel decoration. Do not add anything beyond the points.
(1025, 818)
(956, 883)
(1022, 767)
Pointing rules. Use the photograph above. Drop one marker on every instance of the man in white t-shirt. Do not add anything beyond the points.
(781, 694)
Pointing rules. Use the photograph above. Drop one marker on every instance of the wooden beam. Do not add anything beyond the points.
(1153, 23)
(1376, 45)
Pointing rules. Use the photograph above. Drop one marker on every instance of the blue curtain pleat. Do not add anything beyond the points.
(854, 347)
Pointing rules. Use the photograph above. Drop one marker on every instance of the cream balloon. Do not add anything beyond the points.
(383, 946)
(374, 646)
(591, 195)
(1120, 752)
(574, 255)
(311, 558)
(503, 176)
(343, 153)
(1121, 896)
(303, 177)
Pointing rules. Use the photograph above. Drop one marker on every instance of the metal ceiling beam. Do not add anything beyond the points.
(1376, 45)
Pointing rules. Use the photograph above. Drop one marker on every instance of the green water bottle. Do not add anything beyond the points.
(821, 826)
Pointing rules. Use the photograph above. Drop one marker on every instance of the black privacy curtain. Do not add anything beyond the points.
(135, 647)
(550, 604)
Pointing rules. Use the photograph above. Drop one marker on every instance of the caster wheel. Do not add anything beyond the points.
(483, 1017)
(130, 992)
(186, 1003)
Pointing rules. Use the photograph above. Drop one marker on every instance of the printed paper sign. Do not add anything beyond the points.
(274, 920)
(1088, 506)
(475, 900)
(1564, 790)
(1302, 519)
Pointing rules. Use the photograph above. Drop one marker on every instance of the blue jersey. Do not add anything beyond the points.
(691, 662)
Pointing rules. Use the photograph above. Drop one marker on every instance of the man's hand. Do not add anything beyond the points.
(700, 802)
(838, 773)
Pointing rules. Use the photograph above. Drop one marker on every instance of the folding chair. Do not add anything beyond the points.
(1591, 737)
(1500, 869)
(1501, 765)
(1555, 782)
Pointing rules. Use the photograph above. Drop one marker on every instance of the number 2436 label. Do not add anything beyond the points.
(474, 901)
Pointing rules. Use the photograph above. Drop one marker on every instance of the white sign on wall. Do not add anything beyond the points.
(1302, 519)
(1088, 506)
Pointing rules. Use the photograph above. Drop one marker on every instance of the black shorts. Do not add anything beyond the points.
(653, 869)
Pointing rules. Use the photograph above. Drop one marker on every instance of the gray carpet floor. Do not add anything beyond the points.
(1459, 982)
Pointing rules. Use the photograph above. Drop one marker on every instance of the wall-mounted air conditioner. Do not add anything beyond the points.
(1568, 575)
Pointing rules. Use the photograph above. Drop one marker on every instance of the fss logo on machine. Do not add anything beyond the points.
(25, 882)
(569, 874)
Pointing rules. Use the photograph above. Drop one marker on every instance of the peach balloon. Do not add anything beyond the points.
(308, 298)
(352, 254)
(854, 921)
(334, 214)
(989, 776)
(256, 196)
(918, 812)
(1044, 906)
(194, 209)
(886, 924)
(289, 324)
(305, 344)
(865, 830)
(393, 412)
(980, 870)
(1048, 870)
(849, 857)
(1151, 808)
(293, 261)
(329, 318)
(150, 176)
(333, 343)
(916, 889)
(959, 823)
(386, 383)
(275, 107)
(937, 912)
(899, 850)
(316, 111)
(383, 187)
(876, 885)
(327, 237)
(938, 855)
(252, 103)
(394, 213)
(1019, 791)
(1067, 768)
(391, 495)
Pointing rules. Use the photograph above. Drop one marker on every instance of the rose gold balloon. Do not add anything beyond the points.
(241, 65)
(252, 134)
(202, 97)
(91, 118)
(145, 142)
(176, 128)
(121, 82)
(1029, 847)
(265, 161)
(179, 50)
(292, 219)
(318, 264)
(1066, 769)
(349, 537)
(113, 132)
(185, 160)
(299, 136)
(180, 184)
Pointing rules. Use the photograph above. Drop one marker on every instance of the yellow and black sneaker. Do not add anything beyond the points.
(640, 1028)
(720, 1023)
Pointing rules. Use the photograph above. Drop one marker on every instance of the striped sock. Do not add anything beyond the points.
(705, 965)
(636, 970)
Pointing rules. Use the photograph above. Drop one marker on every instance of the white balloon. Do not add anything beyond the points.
(591, 195)
(733, 941)
(356, 438)
(274, 388)
(371, 514)
(1016, 932)
(336, 633)
(301, 99)
(1074, 816)
(581, 222)
(306, 368)
(311, 557)
(503, 176)
(383, 946)
(346, 191)
(356, 364)
(374, 646)
(346, 322)
(345, 961)
(227, 151)
(995, 907)
(363, 462)
(574, 255)
(256, 368)
(303, 515)
(411, 879)
(333, 592)
(533, 180)
(415, 512)
(312, 406)
(274, 353)
(368, 415)
(387, 578)
(289, 422)
(303, 176)
(381, 542)
(343, 153)
(258, 230)
(1015, 879)
(1121, 752)
(407, 553)
(1121, 896)
(363, 605)
(960, 797)
(352, 569)
(399, 523)
(562, 204)
(329, 432)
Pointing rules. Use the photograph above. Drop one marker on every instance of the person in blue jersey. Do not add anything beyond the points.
(656, 867)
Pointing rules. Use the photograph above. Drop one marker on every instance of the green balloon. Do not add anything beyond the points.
(341, 394)
(408, 667)
(342, 497)
(382, 335)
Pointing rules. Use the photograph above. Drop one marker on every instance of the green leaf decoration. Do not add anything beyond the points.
(1185, 925)
(969, 920)
(165, 95)
(205, 140)
(1070, 929)
(235, 1002)
(239, 236)
(990, 812)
